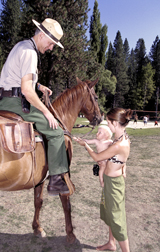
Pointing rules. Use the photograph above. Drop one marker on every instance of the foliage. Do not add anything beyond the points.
(98, 36)
(116, 64)
(126, 51)
(143, 86)
(130, 97)
(10, 25)
(103, 46)
(122, 73)
(1, 58)
(59, 68)
(95, 32)
(98, 45)
(154, 56)
(147, 82)
(106, 87)
(155, 60)
(73, 61)
(140, 55)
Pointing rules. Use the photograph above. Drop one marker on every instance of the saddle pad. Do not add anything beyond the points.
(17, 136)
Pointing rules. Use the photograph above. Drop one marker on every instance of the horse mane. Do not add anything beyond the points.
(68, 97)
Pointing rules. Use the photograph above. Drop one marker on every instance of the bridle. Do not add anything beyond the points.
(63, 126)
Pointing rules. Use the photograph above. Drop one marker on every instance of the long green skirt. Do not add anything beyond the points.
(112, 207)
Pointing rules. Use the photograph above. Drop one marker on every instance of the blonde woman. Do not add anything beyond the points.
(112, 207)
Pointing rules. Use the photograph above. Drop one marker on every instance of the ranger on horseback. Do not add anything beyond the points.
(18, 80)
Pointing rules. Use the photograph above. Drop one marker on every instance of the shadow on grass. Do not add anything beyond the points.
(31, 243)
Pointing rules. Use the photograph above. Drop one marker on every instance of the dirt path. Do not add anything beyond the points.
(138, 125)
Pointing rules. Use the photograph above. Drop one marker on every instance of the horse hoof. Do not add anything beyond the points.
(43, 234)
(71, 238)
(40, 233)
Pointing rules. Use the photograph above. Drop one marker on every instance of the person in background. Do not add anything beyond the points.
(135, 118)
(155, 123)
(145, 120)
(112, 207)
(18, 80)
(102, 117)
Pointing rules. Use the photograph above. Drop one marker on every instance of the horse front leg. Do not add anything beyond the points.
(38, 201)
(68, 221)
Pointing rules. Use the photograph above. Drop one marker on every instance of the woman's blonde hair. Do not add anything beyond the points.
(120, 115)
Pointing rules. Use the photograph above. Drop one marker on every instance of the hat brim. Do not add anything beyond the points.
(38, 25)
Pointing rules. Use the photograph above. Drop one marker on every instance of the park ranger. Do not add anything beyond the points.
(18, 79)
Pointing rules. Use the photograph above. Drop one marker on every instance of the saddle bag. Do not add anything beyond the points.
(17, 136)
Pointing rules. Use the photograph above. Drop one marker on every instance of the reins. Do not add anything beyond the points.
(88, 132)
(49, 105)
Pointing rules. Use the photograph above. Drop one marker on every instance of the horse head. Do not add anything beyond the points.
(90, 106)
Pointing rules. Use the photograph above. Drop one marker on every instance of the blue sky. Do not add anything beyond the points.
(133, 18)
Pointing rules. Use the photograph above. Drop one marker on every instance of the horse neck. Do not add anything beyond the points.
(69, 104)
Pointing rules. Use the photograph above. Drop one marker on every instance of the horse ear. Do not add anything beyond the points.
(78, 80)
(93, 83)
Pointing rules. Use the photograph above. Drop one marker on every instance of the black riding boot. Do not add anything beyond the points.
(57, 186)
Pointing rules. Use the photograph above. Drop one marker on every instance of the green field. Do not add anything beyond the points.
(130, 131)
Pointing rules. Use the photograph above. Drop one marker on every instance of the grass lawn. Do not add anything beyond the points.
(142, 203)
(130, 131)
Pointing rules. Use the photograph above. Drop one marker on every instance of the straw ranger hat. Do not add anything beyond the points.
(52, 29)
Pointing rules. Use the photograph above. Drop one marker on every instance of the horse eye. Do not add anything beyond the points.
(96, 98)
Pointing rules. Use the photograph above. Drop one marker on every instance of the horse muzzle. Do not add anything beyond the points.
(96, 121)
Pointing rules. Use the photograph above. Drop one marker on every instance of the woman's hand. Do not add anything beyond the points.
(80, 141)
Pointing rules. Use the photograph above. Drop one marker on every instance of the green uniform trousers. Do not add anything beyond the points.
(57, 158)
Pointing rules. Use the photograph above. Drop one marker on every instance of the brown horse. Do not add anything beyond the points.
(26, 170)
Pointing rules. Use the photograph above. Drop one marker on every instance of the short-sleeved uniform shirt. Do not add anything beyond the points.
(22, 60)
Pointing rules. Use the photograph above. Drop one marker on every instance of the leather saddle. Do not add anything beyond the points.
(17, 135)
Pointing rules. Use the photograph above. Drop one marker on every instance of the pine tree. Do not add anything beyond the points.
(140, 54)
(60, 68)
(73, 61)
(120, 71)
(153, 52)
(155, 59)
(95, 32)
(154, 56)
(141, 61)
(37, 10)
(99, 44)
(103, 46)
(110, 58)
(10, 25)
(107, 82)
(132, 66)
(126, 51)
(98, 36)
(147, 86)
